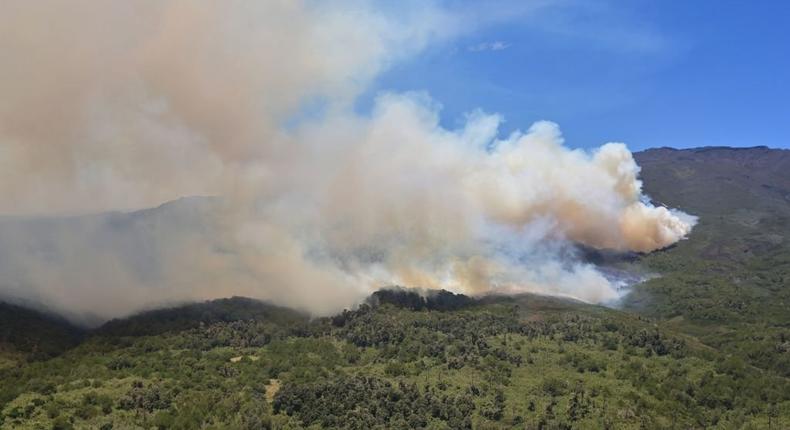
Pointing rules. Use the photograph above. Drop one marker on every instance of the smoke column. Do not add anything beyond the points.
(112, 106)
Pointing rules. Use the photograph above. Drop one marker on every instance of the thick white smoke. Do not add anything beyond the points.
(108, 105)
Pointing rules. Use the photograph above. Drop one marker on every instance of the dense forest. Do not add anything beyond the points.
(705, 343)
(401, 361)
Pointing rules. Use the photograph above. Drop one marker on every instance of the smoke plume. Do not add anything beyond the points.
(111, 106)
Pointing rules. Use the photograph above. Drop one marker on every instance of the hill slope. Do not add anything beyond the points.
(729, 283)
(29, 335)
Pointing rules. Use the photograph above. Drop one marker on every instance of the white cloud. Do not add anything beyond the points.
(496, 45)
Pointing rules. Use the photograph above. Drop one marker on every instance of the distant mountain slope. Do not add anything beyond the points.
(742, 196)
(729, 283)
(718, 181)
(115, 261)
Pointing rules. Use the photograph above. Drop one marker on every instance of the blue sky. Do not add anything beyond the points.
(648, 73)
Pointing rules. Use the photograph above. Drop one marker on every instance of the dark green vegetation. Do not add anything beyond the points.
(705, 345)
(33, 335)
(399, 362)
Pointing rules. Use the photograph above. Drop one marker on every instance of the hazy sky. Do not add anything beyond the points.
(648, 73)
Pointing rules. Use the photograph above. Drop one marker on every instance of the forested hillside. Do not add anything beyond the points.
(399, 362)
(26, 334)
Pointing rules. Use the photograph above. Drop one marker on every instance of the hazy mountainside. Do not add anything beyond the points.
(92, 262)
(704, 345)
(122, 233)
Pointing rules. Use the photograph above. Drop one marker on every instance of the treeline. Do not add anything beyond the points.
(195, 315)
(441, 300)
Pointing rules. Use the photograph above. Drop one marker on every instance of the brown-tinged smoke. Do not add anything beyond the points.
(121, 106)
